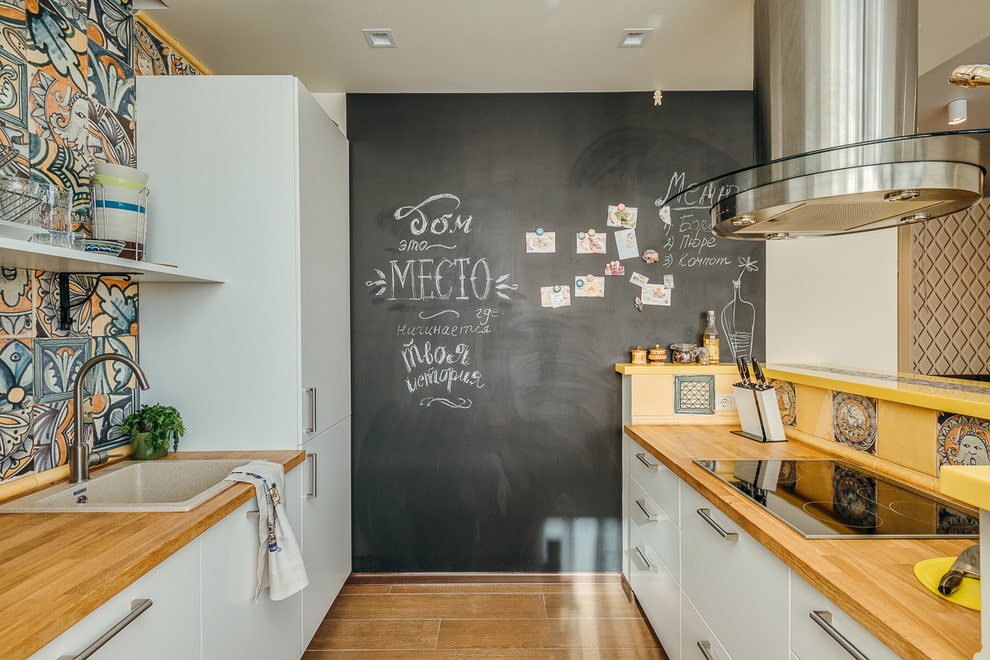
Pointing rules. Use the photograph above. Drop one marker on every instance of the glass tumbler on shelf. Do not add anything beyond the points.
(52, 215)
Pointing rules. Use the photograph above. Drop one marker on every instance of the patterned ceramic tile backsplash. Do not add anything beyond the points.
(67, 69)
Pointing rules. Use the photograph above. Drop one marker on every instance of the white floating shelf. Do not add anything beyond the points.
(35, 256)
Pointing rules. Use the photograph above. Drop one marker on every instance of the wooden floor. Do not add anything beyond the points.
(494, 620)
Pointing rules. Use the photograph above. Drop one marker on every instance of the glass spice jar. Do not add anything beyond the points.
(684, 353)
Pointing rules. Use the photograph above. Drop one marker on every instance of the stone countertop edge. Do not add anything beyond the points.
(872, 580)
(40, 599)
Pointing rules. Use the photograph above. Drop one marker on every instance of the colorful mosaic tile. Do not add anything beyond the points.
(111, 26)
(111, 137)
(13, 89)
(80, 306)
(114, 376)
(109, 412)
(19, 139)
(854, 421)
(57, 40)
(56, 363)
(60, 166)
(962, 440)
(16, 302)
(150, 54)
(13, 27)
(111, 82)
(115, 309)
(15, 444)
(16, 375)
(786, 401)
(59, 111)
(51, 433)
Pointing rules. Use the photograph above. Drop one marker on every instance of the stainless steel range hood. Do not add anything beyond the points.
(835, 84)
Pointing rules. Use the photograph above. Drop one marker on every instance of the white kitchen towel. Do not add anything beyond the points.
(280, 564)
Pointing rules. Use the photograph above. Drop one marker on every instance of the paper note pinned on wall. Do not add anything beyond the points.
(589, 287)
(591, 244)
(639, 280)
(668, 281)
(622, 216)
(665, 215)
(656, 294)
(558, 295)
(625, 242)
(541, 243)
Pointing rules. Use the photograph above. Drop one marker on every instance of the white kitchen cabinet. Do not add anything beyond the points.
(168, 629)
(652, 521)
(657, 591)
(739, 587)
(249, 176)
(810, 639)
(234, 624)
(698, 641)
(326, 527)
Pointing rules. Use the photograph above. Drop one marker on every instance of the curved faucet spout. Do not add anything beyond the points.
(79, 451)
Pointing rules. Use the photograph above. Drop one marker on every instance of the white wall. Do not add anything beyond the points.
(833, 300)
(335, 103)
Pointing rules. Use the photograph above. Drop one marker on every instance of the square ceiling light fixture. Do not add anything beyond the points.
(380, 38)
(139, 5)
(635, 37)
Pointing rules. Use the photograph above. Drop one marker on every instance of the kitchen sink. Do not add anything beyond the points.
(133, 486)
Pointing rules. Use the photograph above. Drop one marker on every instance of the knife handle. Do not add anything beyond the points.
(743, 370)
(950, 582)
(758, 372)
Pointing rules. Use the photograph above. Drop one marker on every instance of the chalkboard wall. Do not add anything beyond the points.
(486, 409)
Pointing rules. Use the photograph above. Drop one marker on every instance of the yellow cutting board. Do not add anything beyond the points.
(930, 571)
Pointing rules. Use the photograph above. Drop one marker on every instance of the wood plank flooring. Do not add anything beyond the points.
(501, 620)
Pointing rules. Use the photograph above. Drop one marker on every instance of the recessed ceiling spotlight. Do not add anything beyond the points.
(634, 37)
(380, 38)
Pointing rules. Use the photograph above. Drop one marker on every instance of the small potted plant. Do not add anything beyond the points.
(151, 429)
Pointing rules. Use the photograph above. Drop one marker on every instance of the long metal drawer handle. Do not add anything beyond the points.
(313, 475)
(138, 607)
(642, 459)
(641, 551)
(706, 650)
(706, 515)
(824, 619)
(311, 391)
(646, 512)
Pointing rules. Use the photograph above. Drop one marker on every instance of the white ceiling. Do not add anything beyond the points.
(520, 45)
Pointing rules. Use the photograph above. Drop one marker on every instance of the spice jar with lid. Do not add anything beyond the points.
(639, 355)
(657, 354)
(684, 353)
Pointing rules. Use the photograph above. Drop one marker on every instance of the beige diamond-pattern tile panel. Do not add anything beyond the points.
(950, 297)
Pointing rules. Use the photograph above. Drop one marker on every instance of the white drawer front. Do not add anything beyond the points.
(654, 523)
(738, 586)
(809, 639)
(696, 635)
(656, 479)
(656, 590)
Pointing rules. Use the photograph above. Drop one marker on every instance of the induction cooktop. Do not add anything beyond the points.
(823, 499)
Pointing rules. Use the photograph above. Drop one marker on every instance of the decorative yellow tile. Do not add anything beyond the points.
(907, 435)
(652, 395)
(814, 411)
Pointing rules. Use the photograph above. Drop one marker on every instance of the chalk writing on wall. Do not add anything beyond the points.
(436, 348)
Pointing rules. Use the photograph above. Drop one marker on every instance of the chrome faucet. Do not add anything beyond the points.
(79, 455)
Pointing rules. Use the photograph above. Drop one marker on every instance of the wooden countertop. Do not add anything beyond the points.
(55, 568)
(871, 579)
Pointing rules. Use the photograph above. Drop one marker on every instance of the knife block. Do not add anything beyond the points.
(759, 414)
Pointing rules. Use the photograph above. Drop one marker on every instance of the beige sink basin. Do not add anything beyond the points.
(133, 486)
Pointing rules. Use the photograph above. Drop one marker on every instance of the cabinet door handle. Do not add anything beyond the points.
(824, 619)
(706, 515)
(641, 551)
(706, 650)
(311, 391)
(138, 607)
(642, 459)
(646, 512)
(313, 475)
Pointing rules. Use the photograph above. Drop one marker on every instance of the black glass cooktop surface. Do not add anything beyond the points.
(829, 499)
